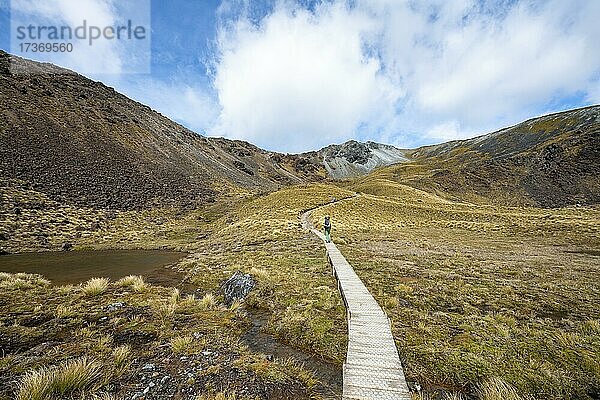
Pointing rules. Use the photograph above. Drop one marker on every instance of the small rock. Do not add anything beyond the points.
(114, 306)
(148, 367)
(67, 246)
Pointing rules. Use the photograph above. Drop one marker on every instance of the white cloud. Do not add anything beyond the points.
(300, 80)
(446, 131)
(492, 67)
(104, 56)
(440, 70)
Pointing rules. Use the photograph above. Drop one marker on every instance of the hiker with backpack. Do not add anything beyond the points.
(327, 226)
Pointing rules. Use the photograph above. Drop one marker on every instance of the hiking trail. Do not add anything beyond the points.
(372, 369)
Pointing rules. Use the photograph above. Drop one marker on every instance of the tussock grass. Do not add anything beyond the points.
(175, 296)
(181, 344)
(299, 370)
(498, 389)
(236, 306)
(66, 379)
(479, 290)
(121, 355)
(63, 311)
(95, 286)
(64, 289)
(259, 273)
(208, 302)
(21, 281)
(158, 313)
(103, 343)
(166, 310)
(263, 236)
(135, 282)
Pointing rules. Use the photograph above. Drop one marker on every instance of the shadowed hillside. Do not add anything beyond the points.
(80, 142)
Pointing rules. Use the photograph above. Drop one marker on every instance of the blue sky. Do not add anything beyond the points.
(297, 75)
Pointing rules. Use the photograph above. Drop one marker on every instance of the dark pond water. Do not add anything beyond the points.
(79, 266)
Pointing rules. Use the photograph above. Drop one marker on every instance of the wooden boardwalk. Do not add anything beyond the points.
(372, 369)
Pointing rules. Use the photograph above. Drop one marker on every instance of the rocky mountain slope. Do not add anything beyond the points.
(352, 159)
(550, 161)
(80, 142)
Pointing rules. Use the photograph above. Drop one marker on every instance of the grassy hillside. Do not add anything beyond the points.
(258, 235)
(550, 161)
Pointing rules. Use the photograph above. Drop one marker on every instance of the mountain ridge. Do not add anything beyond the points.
(83, 143)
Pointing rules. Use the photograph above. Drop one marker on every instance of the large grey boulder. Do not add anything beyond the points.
(237, 287)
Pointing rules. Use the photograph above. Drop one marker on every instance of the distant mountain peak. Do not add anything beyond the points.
(354, 158)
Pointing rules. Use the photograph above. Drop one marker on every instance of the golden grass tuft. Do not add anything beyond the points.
(298, 370)
(166, 310)
(60, 381)
(498, 389)
(259, 273)
(22, 281)
(181, 344)
(64, 289)
(175, 296)
(95, 286)
(63, 311)
(208, 302)
(236, 306)
(135, 282)
(121, 356)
